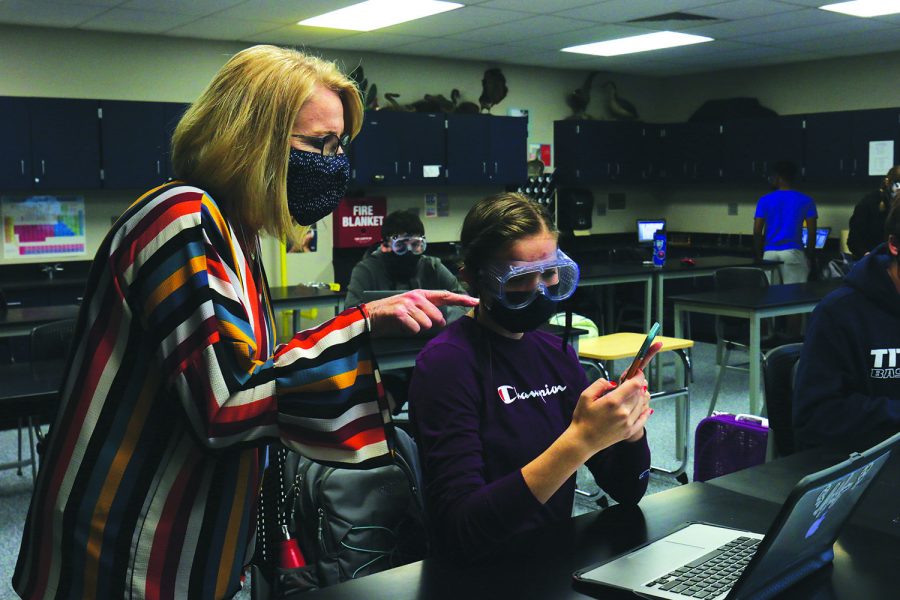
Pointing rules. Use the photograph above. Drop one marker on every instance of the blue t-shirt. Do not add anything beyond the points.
(784, 212)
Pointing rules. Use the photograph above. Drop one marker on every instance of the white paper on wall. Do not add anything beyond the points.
(881, 157)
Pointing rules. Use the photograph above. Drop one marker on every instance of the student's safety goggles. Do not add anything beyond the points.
(407, 243)
(517, 285)
(895, 187)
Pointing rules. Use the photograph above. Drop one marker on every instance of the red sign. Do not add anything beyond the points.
(357, 222)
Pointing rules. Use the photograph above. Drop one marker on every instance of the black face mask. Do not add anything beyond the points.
(315, 184)
(527, 318)
(401, 267)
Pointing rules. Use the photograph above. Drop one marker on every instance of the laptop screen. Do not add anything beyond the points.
(646, 229)
(821, 236)
(809, 525)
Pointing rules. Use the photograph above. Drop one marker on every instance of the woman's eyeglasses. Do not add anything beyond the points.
(328, 145)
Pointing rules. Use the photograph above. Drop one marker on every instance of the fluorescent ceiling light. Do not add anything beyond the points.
(639, 43)
(375, 14)
(865, 8)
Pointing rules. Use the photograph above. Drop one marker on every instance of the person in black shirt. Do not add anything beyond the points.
(867, 221)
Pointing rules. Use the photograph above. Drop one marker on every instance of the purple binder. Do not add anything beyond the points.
(725, 443)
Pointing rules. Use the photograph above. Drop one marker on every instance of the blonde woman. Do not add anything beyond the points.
(148, 483)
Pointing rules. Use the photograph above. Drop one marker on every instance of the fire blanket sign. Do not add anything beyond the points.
(357, 221)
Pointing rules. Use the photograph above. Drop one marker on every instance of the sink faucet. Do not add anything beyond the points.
(51, 269)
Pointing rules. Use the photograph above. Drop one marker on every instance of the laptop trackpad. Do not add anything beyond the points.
(641, 566)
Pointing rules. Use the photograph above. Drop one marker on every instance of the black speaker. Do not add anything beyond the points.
(575, 209)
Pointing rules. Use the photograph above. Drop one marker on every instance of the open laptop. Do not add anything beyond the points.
(719, 562)
(822, 234)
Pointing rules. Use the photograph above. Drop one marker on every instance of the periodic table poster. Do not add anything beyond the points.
(43, 226)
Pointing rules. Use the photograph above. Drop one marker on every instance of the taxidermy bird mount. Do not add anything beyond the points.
(368, 93)
(617, 108)
(581, 97)
(493, 89)
(465, 107)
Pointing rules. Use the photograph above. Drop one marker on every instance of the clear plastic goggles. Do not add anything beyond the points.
(403, 244)
(895, 187)
(516, 286)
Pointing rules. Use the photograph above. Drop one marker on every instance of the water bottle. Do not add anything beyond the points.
(659, 248)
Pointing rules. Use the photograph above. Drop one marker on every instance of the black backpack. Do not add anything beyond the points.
(348, 522)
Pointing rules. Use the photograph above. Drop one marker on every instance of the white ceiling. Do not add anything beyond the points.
(525, 32)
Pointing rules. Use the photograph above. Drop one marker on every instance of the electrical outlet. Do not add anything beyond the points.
(732, 208)
(601, 209)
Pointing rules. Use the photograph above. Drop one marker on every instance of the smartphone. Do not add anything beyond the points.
(642, 353)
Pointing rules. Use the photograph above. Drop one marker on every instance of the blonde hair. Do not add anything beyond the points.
(234, 141)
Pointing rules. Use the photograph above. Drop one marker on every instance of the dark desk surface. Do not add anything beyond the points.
(30, 388)
(298, 292)
(760, 298)
(703, 265)
(36, 315)
(540, 565)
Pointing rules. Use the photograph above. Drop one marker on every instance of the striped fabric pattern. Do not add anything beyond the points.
(149, 481)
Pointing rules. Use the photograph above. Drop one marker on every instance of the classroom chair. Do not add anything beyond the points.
(779, 373)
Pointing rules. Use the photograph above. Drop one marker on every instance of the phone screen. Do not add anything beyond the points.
(642, 353)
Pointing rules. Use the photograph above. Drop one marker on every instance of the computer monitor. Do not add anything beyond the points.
(821, 236)
(647, 227)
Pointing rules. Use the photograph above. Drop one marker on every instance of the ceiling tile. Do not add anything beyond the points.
(741, 9)
(375, 41)
(294, 35)
(194, 7)
(773, 22)
(221, 28)
(47, 14)
(284, 11)
(513, 32)
(826, 33)
(540, 7)
(136, 21)
(619, 11)
(457, 21)
(596, 33)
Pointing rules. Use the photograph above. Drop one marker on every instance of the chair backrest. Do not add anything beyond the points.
(52, 340)
(779, 372)
(737, 278)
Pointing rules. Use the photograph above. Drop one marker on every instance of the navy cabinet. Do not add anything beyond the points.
(692, 152)
(750, 147)
(65, 143)
(837, 144)
(136, 139)
(589, 152)
(484, 149)
(49, 144)
(394, 148)
(15, 145)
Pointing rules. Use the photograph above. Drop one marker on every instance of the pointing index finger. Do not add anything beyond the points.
(444, 298)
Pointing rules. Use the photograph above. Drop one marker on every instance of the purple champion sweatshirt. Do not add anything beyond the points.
(483, 407)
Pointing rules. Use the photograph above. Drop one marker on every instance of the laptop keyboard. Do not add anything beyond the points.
(712, 574)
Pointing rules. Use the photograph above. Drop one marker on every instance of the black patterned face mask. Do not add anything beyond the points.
(315, 184)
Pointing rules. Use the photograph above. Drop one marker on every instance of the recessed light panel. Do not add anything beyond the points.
(865, 8)
(375, 14)
(639, 43)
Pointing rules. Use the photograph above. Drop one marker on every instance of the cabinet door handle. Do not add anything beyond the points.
(396, 168)
(495, 167)
(43, 170)
(618, 168)
(158, 168)
(483, 167)
(409, 167)
(22, 165)
(841, 166)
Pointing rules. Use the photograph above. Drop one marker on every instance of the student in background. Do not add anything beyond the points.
(778, 226)
(867, 221)
(148, 484)
(400, 263)
(848, 377)
(504, 415)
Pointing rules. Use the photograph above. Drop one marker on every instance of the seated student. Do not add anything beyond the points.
(400, 263)
(504, 416)
(867, 221)
(848, 378)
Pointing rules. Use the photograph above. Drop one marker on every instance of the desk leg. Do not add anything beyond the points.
(609, 299)
(681, 425)
(660, 315)
(755, 364)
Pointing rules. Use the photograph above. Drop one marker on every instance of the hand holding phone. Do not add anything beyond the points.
(642, 353)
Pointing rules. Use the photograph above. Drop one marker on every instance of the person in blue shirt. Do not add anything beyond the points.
(779, 222)
(847, 390)
(778, 234)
